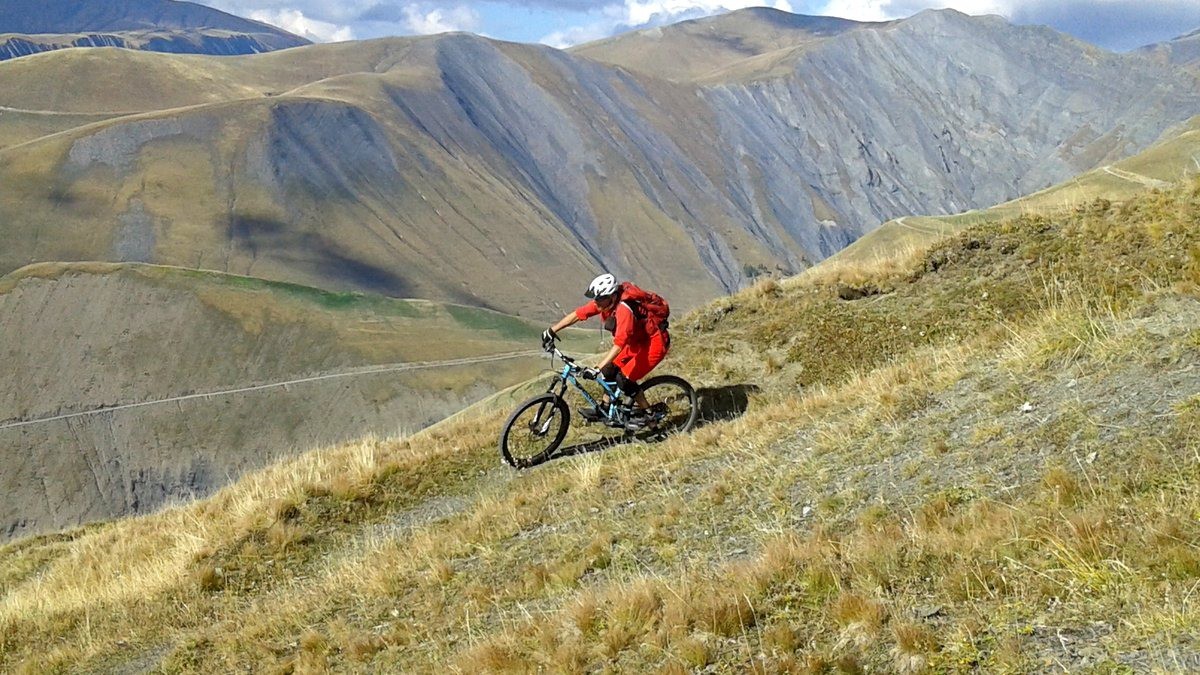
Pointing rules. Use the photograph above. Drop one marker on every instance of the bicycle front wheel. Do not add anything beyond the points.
(672, 403)
(534, 431)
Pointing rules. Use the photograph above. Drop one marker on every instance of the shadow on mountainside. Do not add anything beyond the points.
(716, 404)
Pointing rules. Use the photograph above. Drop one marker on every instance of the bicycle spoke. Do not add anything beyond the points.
(672, 404)
(534, 431)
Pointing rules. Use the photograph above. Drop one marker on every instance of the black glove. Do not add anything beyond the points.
(590, 373)
(548, 338)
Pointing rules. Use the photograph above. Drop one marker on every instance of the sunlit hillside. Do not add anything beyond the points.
(985, 460)
(701, 48)
(1174, 158)
(130, 386)
(445, 167)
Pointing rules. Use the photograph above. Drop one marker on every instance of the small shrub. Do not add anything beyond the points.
(584, 614)
(693, 651)
(859, 616)
(782, 638)
(210, 578)
(726, 615)
(283, 536)
(1062, 485)
(914, 645)
(491, 657)
(617, 638)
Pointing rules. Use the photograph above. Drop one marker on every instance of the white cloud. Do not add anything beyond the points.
(425, 20)
(635, 14)
(577, 35)
(294, 21)
(883, 10)
(1116, 24)
(643, 12)
(1120, 24)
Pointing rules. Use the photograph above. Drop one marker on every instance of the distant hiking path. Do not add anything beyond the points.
(903, 222)
(26, 111)
(367, 370)
(1134, 177)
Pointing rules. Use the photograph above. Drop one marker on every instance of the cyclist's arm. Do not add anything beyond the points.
(580, 314)
(568, 320)
(608, 358)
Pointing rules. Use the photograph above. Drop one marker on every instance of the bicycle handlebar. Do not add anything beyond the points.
(565, 359)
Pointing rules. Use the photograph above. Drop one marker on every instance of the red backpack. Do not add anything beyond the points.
(650, 308)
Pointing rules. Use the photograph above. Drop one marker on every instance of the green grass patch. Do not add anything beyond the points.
(506, 326)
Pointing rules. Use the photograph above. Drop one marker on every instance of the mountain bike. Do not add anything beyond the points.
(538, 426)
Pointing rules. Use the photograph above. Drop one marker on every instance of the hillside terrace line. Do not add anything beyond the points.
(369, 370)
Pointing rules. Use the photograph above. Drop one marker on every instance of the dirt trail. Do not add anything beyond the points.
(903, 222)
(369, 370)
(1134, 177)
(178, 385)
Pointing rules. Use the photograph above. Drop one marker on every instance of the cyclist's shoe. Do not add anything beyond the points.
(590, 413)
(639, 419)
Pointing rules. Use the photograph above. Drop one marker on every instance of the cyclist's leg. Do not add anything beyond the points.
(639, 364)
(615, 372)
(610, 373)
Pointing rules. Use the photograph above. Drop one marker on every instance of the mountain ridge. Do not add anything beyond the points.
(722, 40)
(768, 173)
(33, 26)
(69, 16)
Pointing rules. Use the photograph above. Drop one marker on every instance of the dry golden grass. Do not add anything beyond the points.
(814, 532)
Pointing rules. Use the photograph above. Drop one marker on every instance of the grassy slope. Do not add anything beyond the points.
(124, 80)
(135, 333)
(202, 199)
(403, 325)
(1170, 160)
(18, 127)
(239, 331)
(695, 49)
(990, 465)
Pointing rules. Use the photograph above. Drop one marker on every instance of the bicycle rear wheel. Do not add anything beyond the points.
(534, 431)
(673, 404)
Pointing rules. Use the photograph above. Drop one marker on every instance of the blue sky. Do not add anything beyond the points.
(1115, 24)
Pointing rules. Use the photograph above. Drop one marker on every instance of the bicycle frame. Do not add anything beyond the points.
(567, 376)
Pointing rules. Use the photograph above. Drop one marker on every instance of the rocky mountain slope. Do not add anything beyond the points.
(33, 26)
(500, 175)
(199, 41)
(989, 463)
(85, 344)
(68, 16)
(1183, 50)
(1175, 158)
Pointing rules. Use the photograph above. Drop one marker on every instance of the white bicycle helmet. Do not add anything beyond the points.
(605, 284)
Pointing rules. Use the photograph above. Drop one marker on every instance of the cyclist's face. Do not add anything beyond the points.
(606, 302)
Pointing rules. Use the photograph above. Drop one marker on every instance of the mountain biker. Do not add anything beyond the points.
(638, 323)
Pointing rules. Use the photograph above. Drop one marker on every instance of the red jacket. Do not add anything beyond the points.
(628, 332)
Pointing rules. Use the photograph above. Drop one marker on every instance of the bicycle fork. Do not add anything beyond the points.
(537, 426)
